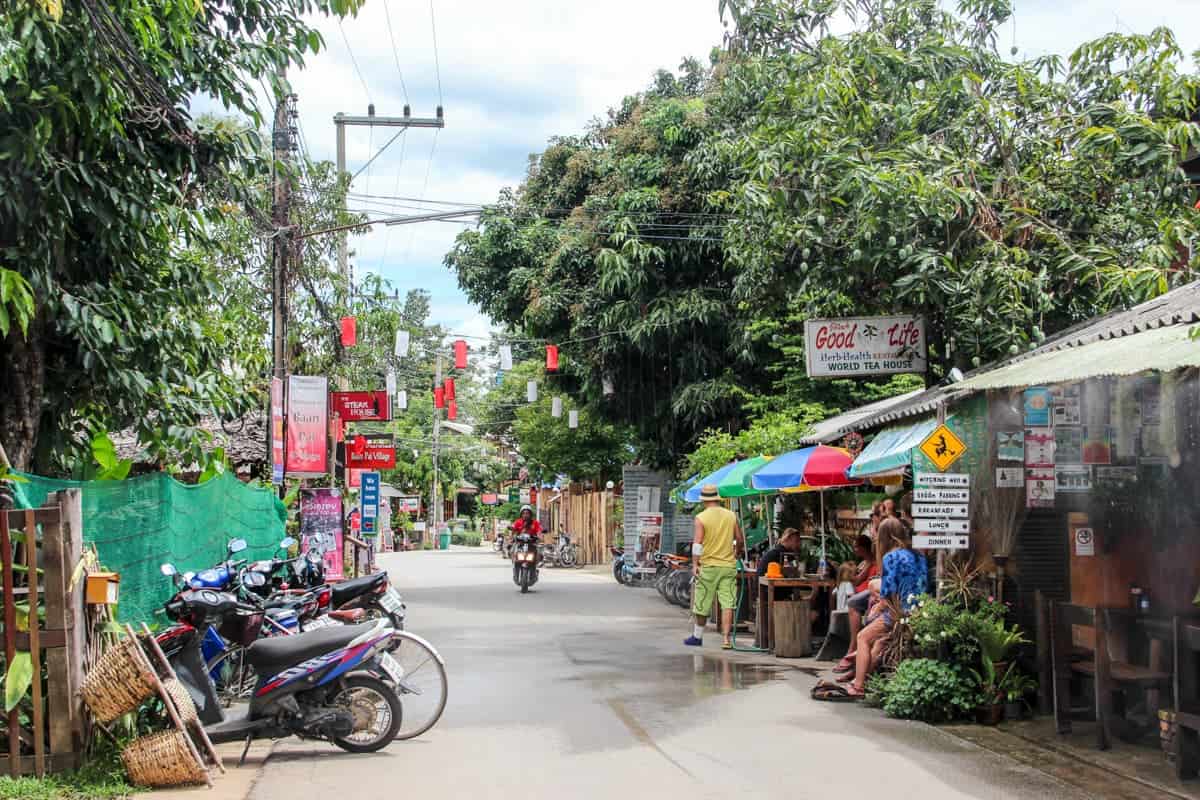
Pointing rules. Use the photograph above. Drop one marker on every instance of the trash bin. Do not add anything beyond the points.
(444, 540)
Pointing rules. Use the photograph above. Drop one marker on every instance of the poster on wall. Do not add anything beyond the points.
(1068, 406)
(1097, 444)
(1085, 542)
(1010, 477)
(1010, 445)
(307, 426)
(649, 538)
(1037, 407)
(1039, 447)
(1068, 445)
(1150, 400)
(1116, 476)
(1039, 488)
(1073, 478)
(321, 527)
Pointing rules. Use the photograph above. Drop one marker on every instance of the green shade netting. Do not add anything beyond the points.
(140, 523)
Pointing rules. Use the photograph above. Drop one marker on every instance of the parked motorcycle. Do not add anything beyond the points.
(562, 553)
(328, 684)
(525, 561)
(618, 565)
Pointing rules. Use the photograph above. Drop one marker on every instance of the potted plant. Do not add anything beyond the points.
(998, 677)
(1015, 687)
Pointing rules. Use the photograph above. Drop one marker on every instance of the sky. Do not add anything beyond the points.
(511, 75)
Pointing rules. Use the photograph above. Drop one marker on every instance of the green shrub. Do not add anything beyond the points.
(472, 539)
(930, 691)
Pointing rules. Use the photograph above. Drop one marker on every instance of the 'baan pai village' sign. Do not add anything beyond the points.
(843, 348)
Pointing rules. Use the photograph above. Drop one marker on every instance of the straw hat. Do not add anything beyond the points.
(709, 493)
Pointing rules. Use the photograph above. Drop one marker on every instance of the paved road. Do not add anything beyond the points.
(582, 689)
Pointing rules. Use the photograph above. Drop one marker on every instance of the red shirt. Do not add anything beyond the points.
(872, 572)
(535, 527)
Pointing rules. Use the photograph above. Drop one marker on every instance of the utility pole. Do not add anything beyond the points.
(437, 429)
(281, 243)
(340, 122)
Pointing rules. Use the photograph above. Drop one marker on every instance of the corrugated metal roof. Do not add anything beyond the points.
(827, 430)
(1161, 349)
(891, 449)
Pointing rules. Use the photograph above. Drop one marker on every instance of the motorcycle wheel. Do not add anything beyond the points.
(371, 702)
(568, 556)
(234, 679)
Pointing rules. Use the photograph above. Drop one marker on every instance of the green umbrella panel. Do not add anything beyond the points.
(736, 482)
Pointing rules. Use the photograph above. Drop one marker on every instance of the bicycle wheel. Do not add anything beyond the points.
(422, 686)
(233, 677)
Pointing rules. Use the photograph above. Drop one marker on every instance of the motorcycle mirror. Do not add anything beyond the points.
(237, 545)
(254, 579)
(288, 543)
(168, 570)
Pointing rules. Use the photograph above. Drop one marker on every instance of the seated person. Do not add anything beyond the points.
(845, 588)
(789, 542)
(866, 569)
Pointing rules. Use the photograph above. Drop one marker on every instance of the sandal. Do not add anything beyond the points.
(846, 677)
(843, 665)
(831, 693)
(854, 692)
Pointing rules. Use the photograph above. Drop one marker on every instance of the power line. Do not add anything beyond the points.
(437, 64)
(395, 52)
(354, 61)
(428, 169)
(387, 239)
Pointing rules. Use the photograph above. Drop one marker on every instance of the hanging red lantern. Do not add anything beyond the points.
(460, 354)
(452, 411)
(439, 397)
(551, 358)
(349, 331)
(359, 445)
(533, 495)
(449, 386)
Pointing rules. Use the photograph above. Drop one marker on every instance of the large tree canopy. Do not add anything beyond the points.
(102, 173)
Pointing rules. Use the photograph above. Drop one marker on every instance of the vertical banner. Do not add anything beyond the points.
(307, 426)
(368, 503)
(277, 446)
(321, 527)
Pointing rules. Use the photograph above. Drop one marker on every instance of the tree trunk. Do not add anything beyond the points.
(23, 373)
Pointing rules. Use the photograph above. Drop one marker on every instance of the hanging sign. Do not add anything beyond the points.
(864, 346)
(949, 510)
(524, 497)
(942, 447)
(942, 495)
(926, 541)
(505, 357)
(409, 504)
(277, 445)
(374, 453)
(401, 344)
(941, 511)
(321, 527)
(937, 480)
(362, 406)
(368, 502)
(307, 427)
(490, 499)
(941, 525)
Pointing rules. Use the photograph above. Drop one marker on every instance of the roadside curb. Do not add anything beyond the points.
(237, 783)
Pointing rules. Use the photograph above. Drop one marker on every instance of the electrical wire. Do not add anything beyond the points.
(354, 61)
(437, 64)
(424, 184)
(395, 51)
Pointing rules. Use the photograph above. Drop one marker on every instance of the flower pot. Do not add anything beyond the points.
(989, 715)
(1014, 710)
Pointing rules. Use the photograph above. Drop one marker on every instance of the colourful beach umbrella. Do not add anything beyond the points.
(736, 482)
(814, 467)
(692, 495)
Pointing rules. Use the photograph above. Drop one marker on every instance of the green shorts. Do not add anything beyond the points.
(718, 583)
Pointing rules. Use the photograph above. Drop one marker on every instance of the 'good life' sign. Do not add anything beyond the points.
(842, 348)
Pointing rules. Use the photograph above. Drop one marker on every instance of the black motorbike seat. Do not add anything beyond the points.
(346, 591)
(275, 654)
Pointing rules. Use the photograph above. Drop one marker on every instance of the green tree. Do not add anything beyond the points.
(101, 178)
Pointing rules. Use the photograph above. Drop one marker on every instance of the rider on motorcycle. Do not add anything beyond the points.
(527, 524)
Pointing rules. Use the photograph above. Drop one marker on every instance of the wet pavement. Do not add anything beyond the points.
(583, 689)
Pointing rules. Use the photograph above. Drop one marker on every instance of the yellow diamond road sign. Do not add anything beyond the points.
(943, 448)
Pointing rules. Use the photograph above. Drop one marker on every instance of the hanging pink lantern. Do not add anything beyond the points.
(551, 358)
(460, 354)
(449, 386)
(439, 397)
(349, 331)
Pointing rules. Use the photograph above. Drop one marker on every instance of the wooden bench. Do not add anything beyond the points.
(1187, 698)
(1109, 677)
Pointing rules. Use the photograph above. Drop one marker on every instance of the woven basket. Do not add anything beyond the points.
(118, 683)
(183, 701)
(162, 759)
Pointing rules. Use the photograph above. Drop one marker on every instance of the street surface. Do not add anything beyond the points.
(583, 689)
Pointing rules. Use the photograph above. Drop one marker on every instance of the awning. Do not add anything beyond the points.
(828, 430)
(1161, 349)
(891, 449)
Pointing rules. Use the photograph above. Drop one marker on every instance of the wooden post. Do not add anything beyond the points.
(10, 641)
(1045, 665)
(940, 572)
(62, 550)
(35, 656)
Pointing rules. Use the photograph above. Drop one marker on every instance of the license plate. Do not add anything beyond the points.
(391, 601)
(391, 666)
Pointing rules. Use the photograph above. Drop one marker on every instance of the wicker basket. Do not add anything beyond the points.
(162, 759)
(119, 681)
(183, 701)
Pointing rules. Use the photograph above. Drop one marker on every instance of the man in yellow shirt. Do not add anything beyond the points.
(718, 540)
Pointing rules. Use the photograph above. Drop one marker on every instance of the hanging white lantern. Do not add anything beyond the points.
(505, 356)
(391, 383)
(402, 400)
(531, 391)
(573, 419)
(556, 407)
(401, 344)
(609, 388)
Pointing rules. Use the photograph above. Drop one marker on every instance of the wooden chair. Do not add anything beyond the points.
(1108, 677)
(1187, 698)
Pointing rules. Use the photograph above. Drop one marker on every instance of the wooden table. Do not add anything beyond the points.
(764, 628)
